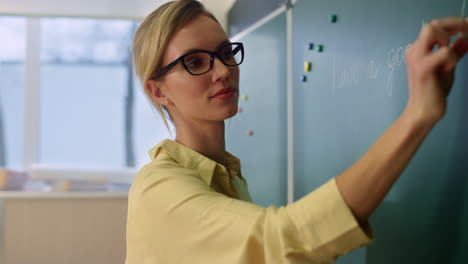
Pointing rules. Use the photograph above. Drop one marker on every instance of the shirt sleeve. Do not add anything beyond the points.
(174, 217)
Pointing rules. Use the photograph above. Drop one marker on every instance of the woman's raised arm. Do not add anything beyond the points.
(430, 78)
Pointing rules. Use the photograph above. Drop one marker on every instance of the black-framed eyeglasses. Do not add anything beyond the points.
(198, 62)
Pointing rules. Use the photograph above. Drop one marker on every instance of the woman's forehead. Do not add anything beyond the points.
(201, 33)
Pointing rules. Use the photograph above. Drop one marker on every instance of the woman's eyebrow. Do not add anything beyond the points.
(224, 42)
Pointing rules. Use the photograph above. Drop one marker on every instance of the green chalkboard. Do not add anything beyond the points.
(263, 81)
(357, 87)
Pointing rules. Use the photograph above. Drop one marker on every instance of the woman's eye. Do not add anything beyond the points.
(197, 60)
(194, 63)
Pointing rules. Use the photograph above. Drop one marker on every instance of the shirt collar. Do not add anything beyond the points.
(194, 160)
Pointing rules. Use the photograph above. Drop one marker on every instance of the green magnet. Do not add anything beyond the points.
(320, 48)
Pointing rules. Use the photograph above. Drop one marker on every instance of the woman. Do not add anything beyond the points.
(190, 204)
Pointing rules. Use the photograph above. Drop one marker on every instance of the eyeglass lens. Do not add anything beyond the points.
(199, 62)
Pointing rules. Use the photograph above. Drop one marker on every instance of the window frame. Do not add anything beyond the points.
(32, 102)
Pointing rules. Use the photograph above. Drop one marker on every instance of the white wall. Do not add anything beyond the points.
(87, 8)
(220, 9)
(133, 9)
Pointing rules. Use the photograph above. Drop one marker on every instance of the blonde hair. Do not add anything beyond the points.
(153, 35)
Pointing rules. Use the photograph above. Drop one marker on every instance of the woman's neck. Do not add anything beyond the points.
(206, 138)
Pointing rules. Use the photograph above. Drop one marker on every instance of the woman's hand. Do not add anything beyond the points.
(431, 71)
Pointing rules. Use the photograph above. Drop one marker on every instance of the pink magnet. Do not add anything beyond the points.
(239, 110)
(250, 132)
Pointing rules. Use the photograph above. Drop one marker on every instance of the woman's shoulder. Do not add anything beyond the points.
(163, 165)
(162, 168)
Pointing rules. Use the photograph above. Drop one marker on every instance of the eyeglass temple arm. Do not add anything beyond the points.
(234, 51)
(166, 69)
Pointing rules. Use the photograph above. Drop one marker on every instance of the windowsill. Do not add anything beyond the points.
(59, 195)
(47, 172)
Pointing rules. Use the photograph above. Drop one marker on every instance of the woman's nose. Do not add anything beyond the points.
(220, 71)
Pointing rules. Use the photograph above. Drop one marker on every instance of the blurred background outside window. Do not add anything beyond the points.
(92, 111)
(12, 57)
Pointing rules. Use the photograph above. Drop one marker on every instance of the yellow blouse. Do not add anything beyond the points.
(186, 208)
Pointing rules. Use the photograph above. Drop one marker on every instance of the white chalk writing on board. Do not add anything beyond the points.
(345, 77)
(372, 70)
(395, 58)
(348, 76)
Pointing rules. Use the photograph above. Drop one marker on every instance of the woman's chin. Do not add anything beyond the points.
(229, 114)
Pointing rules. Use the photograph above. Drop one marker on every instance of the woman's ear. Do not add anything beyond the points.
(153, 89)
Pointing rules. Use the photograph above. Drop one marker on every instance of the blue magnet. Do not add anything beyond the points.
(311, 46)
(304, 78)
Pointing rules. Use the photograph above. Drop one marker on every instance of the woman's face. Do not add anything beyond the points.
(192, 97)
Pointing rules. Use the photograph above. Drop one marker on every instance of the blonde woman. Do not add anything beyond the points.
(190, 204)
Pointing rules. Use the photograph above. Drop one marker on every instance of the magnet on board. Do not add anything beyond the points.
(239, 110)
(307, 66)
(320, 48)
(250, 132)
(303, 78)
(310, 46)
(245, 97)
(333, 18)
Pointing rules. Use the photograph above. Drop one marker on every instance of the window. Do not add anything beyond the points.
(85, 73)
(12, 57)
(92, 112)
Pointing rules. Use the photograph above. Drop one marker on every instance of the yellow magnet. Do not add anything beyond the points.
(245, 98)
(307, 66)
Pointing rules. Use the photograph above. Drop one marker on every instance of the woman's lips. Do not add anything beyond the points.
(224, 94)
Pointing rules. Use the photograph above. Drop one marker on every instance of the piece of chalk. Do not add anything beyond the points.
(464, 20)
(307, 66)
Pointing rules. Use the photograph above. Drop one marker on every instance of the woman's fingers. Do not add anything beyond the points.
(430, 36)
(444, 59)
(460, 47)
(431, 69)
(438, 32)
(452, 25)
